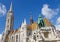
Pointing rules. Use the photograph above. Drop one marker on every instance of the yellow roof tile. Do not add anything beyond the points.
(47, 22)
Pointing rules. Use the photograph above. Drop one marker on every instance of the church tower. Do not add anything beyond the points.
(9, 20)
(31, 19)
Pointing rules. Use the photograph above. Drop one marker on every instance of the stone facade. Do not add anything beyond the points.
(41, 31)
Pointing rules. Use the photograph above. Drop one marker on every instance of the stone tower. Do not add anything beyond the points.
(9, 20)
(9, 24)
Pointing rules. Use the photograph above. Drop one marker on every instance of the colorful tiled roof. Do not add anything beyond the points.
(32, 26)
(47, 22)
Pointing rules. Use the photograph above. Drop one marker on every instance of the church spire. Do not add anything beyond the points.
(31, 19)
(10, 12)
(9, 20)
(24, 21)
(10, 7)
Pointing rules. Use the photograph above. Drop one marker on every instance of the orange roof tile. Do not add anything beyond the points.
(17, 30)
(32, 26)
(12, 32)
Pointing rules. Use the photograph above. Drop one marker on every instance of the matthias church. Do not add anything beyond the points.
(40, 31)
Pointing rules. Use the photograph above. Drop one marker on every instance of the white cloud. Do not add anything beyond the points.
(58, 20)
(48, 12)
(2, 9)
(0, 37)
(58, 23)
(57, 27)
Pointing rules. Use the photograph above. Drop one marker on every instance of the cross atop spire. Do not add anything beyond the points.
(10, 7)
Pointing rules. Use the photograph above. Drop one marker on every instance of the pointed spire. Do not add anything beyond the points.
(31, 19)
(10, 10)
(22, 24)
(10, 7)
(24, 21)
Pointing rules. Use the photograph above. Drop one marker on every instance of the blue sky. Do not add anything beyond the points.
(24, 8)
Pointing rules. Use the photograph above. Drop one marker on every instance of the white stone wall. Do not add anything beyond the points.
(39, 35)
